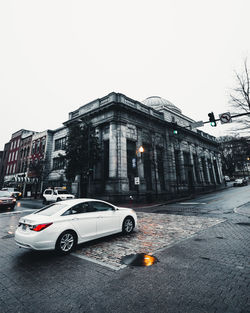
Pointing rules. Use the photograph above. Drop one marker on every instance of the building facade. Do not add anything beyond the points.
(148, 151)
(175, 159)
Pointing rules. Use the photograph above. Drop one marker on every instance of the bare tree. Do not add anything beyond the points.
(240, 98)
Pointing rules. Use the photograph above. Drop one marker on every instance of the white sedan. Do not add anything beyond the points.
(63, 225)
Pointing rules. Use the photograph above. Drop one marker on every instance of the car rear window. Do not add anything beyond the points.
(62, 192)
(51, 209)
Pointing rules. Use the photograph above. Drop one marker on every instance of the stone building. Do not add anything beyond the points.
(175, 159)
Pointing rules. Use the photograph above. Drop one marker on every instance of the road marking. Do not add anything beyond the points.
(16, 212)
(192, 203)
(115, 268)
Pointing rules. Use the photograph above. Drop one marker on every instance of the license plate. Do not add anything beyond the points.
(24, 227)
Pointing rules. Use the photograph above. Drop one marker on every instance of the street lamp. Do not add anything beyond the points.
(137, 179)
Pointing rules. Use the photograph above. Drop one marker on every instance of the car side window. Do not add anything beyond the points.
(101, 206)
(48, 192)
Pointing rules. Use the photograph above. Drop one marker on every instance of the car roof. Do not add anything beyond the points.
(79, 200)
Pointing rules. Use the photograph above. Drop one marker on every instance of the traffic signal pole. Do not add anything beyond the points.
(237, 115)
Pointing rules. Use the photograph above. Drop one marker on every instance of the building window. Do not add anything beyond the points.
(160, 168)
(14, 168)
(16, 155)
(203, 162)
(9, 157)
(33, 147)
(58, 164)
(7, 170)
(60, 144)
(196, 168)
(211, 171)
(106, 159)
(37, 146)
(131, 163)
(147, 166)
(177, 166)
(43, 145)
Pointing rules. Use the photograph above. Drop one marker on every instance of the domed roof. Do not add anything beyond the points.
(156, 101)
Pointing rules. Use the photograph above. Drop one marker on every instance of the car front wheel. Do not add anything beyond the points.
(128, 225)
(66, 242)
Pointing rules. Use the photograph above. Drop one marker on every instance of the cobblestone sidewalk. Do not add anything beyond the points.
(155, 231)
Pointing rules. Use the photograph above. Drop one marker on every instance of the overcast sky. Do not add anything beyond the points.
(57, 55)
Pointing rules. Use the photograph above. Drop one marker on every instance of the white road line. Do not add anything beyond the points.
(192, 203)
(17, 212)
(116, 268)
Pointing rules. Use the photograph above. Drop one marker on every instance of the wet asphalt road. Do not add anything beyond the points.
(205, 273)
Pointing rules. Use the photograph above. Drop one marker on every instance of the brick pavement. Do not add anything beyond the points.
(154, 232)
(207, 272)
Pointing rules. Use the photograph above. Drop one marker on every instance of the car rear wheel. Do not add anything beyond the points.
(128, 225)
(66, 242)
(58, 199)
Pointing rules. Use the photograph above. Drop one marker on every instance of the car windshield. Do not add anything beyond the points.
(5, 193)
(51, 209)
(62, 192)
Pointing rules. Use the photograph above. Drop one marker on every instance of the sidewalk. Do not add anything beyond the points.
(243, 209)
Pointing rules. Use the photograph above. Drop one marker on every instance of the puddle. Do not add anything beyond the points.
(139, 259)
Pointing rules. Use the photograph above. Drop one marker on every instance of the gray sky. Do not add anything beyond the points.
(57, 55)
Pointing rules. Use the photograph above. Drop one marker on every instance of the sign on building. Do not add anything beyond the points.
(137, 180)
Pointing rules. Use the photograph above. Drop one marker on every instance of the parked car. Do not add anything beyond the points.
(63, 225)
(57, 194)
(240, 182)
(227, 178)
(7, 201)
(15, 192)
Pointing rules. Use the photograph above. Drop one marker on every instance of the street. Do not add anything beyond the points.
(202, 246)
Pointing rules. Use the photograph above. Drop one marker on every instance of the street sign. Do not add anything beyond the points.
(137, 180)
(225, 118)
(197, 124)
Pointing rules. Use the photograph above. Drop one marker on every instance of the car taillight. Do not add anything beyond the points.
(40, 226)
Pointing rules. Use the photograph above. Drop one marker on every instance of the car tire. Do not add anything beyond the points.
(66, 242)
(58, 199)
(44, 201)
(128, 225)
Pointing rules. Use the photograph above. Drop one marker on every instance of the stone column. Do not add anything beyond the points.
(122, 151)
(113, 151)
(192, 164)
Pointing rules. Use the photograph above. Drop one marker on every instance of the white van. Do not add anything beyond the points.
(57, 194)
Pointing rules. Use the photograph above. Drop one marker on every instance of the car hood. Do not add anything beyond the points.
(124, 209)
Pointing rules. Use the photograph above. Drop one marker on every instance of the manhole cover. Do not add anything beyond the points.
(139, 259)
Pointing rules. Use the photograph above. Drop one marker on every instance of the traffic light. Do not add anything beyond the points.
(175, 132)
(212, 119)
